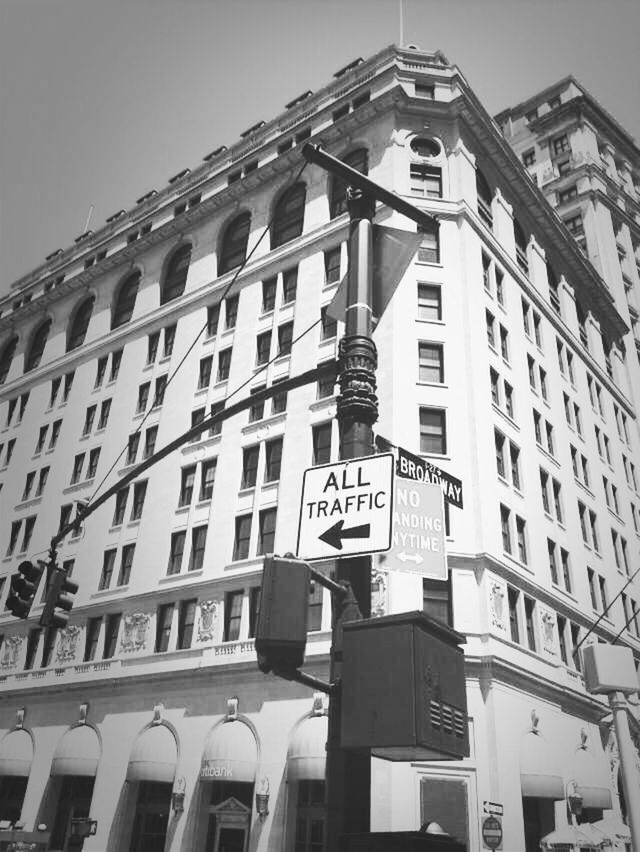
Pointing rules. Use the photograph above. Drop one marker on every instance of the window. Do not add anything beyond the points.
(504, 343)
(314, 608)
(80, 323)
(499, 286)
(187, 480)
(121, 504)
(158, 394)
(216, 408)
(514, 457)
(521, 538)
(132, 448)
(116, 361)
(574, 225)
(256, 411)
(249, 466)
(332, 265)
(328, 326)
(429, 250)
(125, 300)
(560, 145)
(423, 90)
(566, 570)
(152, 347)
(164, 617)
(266, 531)
(592, 588)
(139, 494)
(94, 458)
(169, 340)
(567, 194)
(325, 387)
(485, 198)
(126, 562)
(254, 601)
(429, 302)
(55, 387)
(108, 563)
(430, 362)
(553, 561)
(562, 640)
(204, 375)
(273, 460)
(557, 501)
(186, 623)
(285, 336)
(358, 160)
(232, 615)
(425, 180)
(175, 276)
(42, 438)
(242, 537)
(198, 544)
(78, 463)
(529, 618)
(92, 637)
(6, 358)
(521, 247)
(288, 217)
(112, 628)
(233, 250)
(175, 552)
(213, 315)
(230, 312)
(505, 525)
(529, 157)
(224, 365)
(514, 618)
(494, 380)
(263, 348)
(500, 445)
(289, 285)
(36, 350)
(143, 397)
(279, 400)
(321, 440)
(544, 488)
(28, 485)
(197, 416)
(602, 585)
(433, 432)
(207, 479)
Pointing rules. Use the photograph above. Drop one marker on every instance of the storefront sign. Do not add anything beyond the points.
(215, 769)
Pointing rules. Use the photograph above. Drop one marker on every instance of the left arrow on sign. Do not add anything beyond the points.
(334, 535)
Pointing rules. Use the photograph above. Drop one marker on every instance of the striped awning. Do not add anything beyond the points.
(78, 753)
(230, 753)
(16, 753)
(154, 755)
(307, 754)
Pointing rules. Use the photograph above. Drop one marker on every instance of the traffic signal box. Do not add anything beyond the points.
(281, 629)
(59, 591)
(403, 688)
(23, 588)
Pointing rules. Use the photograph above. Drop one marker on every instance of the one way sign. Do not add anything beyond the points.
(346, 508)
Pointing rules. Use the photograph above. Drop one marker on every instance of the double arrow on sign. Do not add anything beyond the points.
(334, 535)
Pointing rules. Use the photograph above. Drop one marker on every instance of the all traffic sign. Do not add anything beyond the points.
(346, 508)
(418, 542)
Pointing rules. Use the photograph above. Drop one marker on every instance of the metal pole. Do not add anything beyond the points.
(618, 704)
(348, 774)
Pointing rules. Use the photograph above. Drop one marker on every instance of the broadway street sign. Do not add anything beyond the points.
(410, 466)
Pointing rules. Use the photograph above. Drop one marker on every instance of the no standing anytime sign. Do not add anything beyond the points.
(346, 508)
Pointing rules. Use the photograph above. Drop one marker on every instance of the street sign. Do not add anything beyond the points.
(418, 542)
(346, 508)
(494, 808)
(492, 832)
(410, 466)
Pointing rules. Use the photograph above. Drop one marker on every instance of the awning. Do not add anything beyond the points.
(78, 753)
(539, 776)
(592, 779)
(307, 754)
(154, 755)
(230, 754)
(16, 754)
(575, 836)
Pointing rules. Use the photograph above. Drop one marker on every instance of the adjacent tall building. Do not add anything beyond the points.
(508, 356)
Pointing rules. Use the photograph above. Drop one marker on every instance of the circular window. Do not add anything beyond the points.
(425, 147)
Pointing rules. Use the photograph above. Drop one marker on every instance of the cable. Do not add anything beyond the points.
(202, 330)
(604, 613)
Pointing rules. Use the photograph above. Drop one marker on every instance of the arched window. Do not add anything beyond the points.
(175, 276)
(6, 358)
(485, 197)
(288, 218)
(358, 160)
(34, 355)
(80, 324)
(521, 246)
(234, 243)
(125, 300)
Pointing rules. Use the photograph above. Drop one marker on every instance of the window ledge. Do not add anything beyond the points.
(202, 443)
(265, 421)
(104, 593)
(548, 455)
(27, 504)
(183, 508)
(557, 588)
(77, 486)
(422, 384)
(323, 404)
(430, 321)
(180, 577)
(201, 391)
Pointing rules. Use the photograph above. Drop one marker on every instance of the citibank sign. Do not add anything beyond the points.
(215, 769)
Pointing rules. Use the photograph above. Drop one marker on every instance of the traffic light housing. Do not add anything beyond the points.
(23, 588)
(281, 628)
(59, 591)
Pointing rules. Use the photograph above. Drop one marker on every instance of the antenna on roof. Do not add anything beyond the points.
(86, 224)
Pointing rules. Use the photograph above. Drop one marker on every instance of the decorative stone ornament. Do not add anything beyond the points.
(134, 637)
(548, 621)
(67, 641)
(379, 592)
(232, 708)
(84, 709)
(209, 611)
(496, 605)
(20, 718)
(10, 652)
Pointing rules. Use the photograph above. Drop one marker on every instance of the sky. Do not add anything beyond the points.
(103, 100)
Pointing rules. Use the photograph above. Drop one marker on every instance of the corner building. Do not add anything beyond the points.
(506, 357)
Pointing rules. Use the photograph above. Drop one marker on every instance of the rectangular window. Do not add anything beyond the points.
(429, 251)
(68, 384)
(43, 475)
(92, 637)
(504, 343)
(204, 373)
(328, 326)
(332, 265)
(582, 514)
(529, 157)
(431, 363)
(544, 488)
(321, 440)
(425, 180)
(100, 372)
(494, 380)
(121, 504)
(160, 388)
(269, 294)
(164, 618)
(560, 145)
(116, 361)
(143, 397)
(198, 544)
(521, 537)
(429, 302)
(88, 420)
(108, 563)
(152, 347)
(232, 615)
(126, 563)
(213, 315)
(197, 416)
(562, 641)
(242, 537)
(505, 525)
(94, 458)
(602, 585)
(150, 437)
(78, 463)
(176, 551)
(273, 460)
(433, 431)
(254, 603)
(263, 348)
(256, 412)
(285, 338)
(207, 479)
(566, 569)
(216, 408)
(553, 561)
(139, 493)
(266, 531)
(28, 485)
(289, 285)
(224, 365)
(514, 457)
(529, 618)
(105, 410)
(186, 623)
(55, 434)
(514, 618)
(169, 340)
(187, 479)
(42, 438)
(231, 312)
(132, 447)
(249, 466)
(557, 501)
(112, 629)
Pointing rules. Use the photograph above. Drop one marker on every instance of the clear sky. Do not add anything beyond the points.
(103, 100)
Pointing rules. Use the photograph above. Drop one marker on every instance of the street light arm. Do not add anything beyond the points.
(352, 177)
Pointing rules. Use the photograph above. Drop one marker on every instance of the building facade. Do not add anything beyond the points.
(506, 357)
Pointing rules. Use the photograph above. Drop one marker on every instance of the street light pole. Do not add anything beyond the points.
(618, 705)
(348, 774)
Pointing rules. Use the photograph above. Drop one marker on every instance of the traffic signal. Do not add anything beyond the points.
(59, 591)
(24, 585)
(281, 628)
